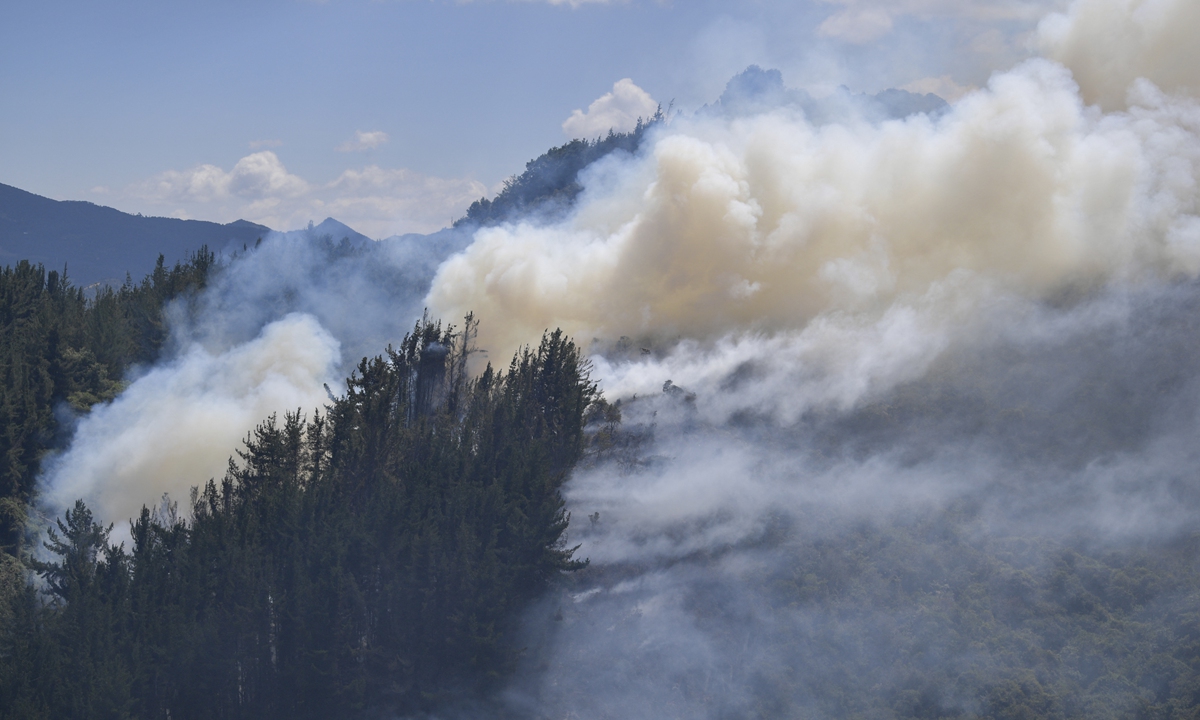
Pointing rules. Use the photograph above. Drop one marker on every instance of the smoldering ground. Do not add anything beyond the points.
(928, 445)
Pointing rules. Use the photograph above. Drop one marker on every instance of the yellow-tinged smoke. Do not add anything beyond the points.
(175, 427)
(1109, 44)
(763, 224)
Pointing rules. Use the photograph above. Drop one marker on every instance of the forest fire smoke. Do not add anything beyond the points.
(1109, 44)
(980, 323)
(910, 340)
(272, 331)
(767, 225)
(163, 433)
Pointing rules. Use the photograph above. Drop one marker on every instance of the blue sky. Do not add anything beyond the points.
(392, 115)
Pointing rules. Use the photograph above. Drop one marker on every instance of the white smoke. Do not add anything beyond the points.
(275, 326)
(1109, 44)
(988, 314)
(823, 333)
(769, 226)
(174, 427)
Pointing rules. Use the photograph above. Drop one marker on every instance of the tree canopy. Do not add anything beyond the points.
(372, 556)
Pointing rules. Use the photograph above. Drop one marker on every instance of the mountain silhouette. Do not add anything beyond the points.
(99, 244)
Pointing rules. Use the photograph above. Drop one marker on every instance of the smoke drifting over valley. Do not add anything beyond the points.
(866, 370)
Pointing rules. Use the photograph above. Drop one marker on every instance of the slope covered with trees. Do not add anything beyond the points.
(550, 183)
(61, 352)
(375, 559)
(370, 557)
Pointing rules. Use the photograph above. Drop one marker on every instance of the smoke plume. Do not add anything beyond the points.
(163, 433)
(277, 325)
(771, 225)
(1109, 44)
(855, 361)
(868, 372)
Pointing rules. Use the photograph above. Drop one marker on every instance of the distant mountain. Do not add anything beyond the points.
(100, 244)
(755, 90)
(420, 255)
(332, 230)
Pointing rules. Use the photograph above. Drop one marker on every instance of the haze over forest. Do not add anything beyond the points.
(793, 402)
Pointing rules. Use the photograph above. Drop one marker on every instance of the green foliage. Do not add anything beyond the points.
(81, 546)
(59, 349)
(373, 558)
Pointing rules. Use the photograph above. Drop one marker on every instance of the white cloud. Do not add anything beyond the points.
(364, 141)
(255, 177)
(373, 200)
(375, 197)
(944, 87)
(857, 25)
(618, 110)
(862, 21)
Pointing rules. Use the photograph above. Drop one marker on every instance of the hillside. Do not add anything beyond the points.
(101, 244)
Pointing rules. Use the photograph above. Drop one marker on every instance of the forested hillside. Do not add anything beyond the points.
(61, 352)
(550, 182)
(939, 551)
(368, 557)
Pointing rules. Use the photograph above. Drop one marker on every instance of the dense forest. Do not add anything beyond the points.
(61, 352)
(369, 557)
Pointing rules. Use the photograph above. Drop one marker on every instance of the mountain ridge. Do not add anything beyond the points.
(100, 244)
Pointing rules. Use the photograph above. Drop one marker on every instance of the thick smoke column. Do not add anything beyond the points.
(766, 224)
(1109, 44)
(174, 427)
(856, 360)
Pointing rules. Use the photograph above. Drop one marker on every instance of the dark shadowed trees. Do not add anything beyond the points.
(374, 557)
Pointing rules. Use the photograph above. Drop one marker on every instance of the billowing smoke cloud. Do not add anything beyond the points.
(770, 225)
(172, 429)
(868, 371)
(1110, 43)
(856, 361)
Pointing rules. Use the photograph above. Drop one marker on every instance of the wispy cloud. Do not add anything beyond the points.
(260, 144)
(373, 200)
(863, 21)
(364, 141)
(944, 87)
